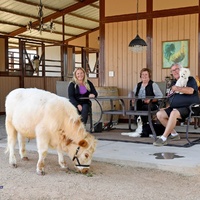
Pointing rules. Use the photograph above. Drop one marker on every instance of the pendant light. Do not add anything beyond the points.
(137, 44)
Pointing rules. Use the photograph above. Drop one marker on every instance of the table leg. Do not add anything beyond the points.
(150, 120)
(101, 114)
(109, 125)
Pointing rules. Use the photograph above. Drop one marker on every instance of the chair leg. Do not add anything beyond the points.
(196, 123)
(129, 122)
(91, 122)
(187, 130)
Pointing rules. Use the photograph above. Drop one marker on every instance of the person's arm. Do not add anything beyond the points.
(190, 89)
(157, 91)
(92, 89)
(184, 90)
(134, 92)
(71, 94)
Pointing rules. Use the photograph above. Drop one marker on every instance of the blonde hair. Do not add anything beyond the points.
(85, 80)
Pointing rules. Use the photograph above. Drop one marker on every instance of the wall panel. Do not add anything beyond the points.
(163, 4)
(2, 54)
(34, 82)
(7, 84)
(51, 83)
(177, 28)
(93, 40)
(118, 58)
(127, 65)
(119, 7)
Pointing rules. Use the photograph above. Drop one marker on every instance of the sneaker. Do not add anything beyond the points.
(159, 142)
(176, 137)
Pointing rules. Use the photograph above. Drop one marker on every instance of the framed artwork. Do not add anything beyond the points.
(175, 52)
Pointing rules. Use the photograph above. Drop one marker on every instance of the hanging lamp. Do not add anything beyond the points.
(137, 44)
(42, 26)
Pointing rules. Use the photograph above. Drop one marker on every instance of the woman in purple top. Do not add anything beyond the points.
(79, 87)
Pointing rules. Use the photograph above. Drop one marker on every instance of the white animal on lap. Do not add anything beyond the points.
(138, 131)
(183, 79)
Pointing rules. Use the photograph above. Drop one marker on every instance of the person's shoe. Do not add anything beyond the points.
(159, 142)
(176, 137)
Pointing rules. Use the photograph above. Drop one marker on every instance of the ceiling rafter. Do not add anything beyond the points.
(36, 17)
(11, 23)
(85, 33)
(55, 15)
(71, 25)
(79, 16)
(16, 13)
(36, 4)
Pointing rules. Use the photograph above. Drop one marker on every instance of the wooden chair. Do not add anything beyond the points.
(62, 90)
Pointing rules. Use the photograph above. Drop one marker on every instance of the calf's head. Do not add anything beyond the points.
(83, 155)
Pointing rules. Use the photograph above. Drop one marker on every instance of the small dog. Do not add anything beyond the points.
(138, 131)
(183, 79)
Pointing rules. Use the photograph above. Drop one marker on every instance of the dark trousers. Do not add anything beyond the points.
(143, 106)
(84, 113)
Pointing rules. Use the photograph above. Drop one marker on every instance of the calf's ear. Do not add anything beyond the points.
(83, 143)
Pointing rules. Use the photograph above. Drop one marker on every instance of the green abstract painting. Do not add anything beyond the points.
(175, 52)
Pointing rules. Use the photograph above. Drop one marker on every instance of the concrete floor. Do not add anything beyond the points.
(176, 159)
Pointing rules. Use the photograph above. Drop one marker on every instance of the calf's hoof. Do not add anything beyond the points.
(41, 173)
(14, 165)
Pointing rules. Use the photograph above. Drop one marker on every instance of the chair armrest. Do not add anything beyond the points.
(195, 109)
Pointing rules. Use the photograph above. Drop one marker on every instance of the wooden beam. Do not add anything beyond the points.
(198, 72)
(149, 25)
(54, 16)
(83, 34)
(154, 14)
(102, 45)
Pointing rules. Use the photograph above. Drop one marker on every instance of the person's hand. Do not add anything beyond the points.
(91, 95)
(146, 101)
(79, 107)
(175, 88)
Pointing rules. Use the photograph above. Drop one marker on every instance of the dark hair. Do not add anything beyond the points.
(145, 70)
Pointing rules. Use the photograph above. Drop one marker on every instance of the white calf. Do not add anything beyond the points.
(53, 121)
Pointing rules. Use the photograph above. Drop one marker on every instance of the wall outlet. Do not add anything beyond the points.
(111, 73)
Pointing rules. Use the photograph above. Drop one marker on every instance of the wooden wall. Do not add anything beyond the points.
(126, 65)
(8, 84)
(154, 29)
(2, 54)
(119, 59)
(175, 28)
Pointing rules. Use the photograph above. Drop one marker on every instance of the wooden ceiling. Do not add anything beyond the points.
(71, 18)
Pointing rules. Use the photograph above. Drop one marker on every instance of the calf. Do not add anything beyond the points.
(53, 121)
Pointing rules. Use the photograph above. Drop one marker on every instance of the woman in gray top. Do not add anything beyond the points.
(146, 88)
